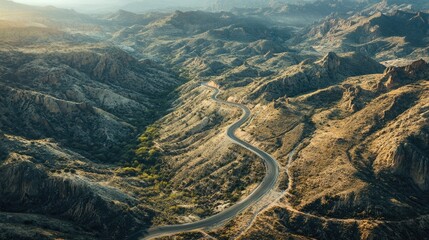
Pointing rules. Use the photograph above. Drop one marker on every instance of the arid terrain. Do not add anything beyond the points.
(107, 131)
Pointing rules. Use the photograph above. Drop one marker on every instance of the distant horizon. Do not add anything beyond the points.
(113, 5)
(97, 6)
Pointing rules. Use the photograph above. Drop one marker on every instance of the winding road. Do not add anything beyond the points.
(267, 184)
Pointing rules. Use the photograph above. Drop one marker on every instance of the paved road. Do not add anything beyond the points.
(268, 183)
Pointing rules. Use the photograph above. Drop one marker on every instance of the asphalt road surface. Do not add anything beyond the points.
(267, 184)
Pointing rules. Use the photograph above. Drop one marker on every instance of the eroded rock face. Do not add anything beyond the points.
(79, 125)
(26, 186)
(93, 99)
(331, 62)
(407, 157)
(410, 160)
(397, 76)
(351, 99)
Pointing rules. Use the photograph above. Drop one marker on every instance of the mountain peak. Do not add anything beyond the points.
(350, 64)
(331, 61)
(417, 67)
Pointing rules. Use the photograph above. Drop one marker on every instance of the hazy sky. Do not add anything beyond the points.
(109, 2)
(136, 5)
(94, 5)
(71, 3)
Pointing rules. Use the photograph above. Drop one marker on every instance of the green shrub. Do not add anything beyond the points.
(128, 171)
(148, 177)
(146, 152)
(200, 211)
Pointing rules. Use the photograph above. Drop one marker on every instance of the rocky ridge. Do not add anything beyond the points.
(309, 76)
(352, 140)
(382, 35)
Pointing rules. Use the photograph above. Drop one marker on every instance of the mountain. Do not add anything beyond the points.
(306, 76)
(205, 44)
(17, 11)
(362, 167)
(228, 5)
(106, 129)
(164, 5)
(94, 85)
(383, 36)
(72, 108)
(300, 13)
(66, 20)
(125, 18)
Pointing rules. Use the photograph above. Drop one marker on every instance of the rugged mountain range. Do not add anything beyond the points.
(207, 44)
(228, 5)
(384, 36)
(361, 169)
(49, 16)
(93, 86)
(126, 19)
(70, 105)
(105, 129)
(302, 13)
(307, 76)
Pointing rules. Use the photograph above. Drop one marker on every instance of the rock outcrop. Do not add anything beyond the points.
(397, 76)
(29, 187)
(403, 149)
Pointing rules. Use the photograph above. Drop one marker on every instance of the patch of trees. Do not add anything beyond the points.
(147, 153)
(143, 160)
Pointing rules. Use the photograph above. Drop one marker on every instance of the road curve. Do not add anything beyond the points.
(267, 184)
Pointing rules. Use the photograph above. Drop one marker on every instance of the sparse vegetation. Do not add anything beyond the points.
(128, 171)
(146, 159)
(78, 98)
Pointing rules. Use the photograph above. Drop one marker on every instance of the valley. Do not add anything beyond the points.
(267, 184)
(242, 120)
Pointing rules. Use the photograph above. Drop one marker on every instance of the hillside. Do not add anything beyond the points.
(206, 44)
(361, 166)
(109, 131)
(71, 113)
(305, 77)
